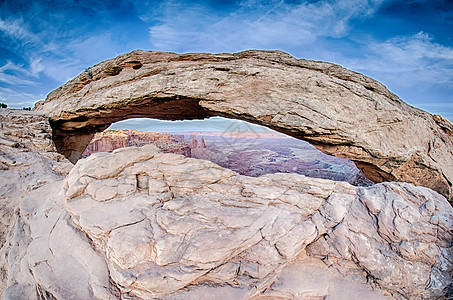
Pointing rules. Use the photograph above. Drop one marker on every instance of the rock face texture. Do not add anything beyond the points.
(28, 161)
(141, 224)
(110, 140)
(341, 112)
(179, 225)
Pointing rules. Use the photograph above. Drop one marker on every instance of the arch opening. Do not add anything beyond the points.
(73, 134)
(243, 147)
(73, 131)
(340, 112)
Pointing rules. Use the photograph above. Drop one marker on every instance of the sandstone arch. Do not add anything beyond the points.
(341, 112)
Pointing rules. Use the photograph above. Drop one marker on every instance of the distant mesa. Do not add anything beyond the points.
(194, 142)
(110, 140)
(202, 143)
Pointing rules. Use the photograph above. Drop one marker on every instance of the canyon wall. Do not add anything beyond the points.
(110, 140)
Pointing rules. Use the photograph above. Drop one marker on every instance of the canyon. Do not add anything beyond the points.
(247, 153)
(138, 223)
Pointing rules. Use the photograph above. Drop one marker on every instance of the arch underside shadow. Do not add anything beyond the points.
(340, 112)
(71, 137)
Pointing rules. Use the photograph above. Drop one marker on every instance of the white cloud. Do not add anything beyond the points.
(10, 66)
(408, 61)
(46, 52)
(18, 99)
(36, 66)
(255, 24)
(444, 109)
(29, 46)
(17, 29)
(14, 74)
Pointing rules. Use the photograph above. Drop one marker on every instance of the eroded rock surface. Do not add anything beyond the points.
(28, 160)
(141, 224)
(341, 112)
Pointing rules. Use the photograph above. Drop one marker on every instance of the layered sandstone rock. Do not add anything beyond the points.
(186, 225)
(110, 140)
(341, 112)
(141, 224)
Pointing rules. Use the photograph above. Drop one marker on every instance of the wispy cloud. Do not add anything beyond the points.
(408, 61)
(43, 52)
(255, 24)
(444, 109)
(16, 29)
(14, 74)
(26, 45)
(18, 98)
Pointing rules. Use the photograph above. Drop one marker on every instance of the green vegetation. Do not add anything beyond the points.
(3, 105)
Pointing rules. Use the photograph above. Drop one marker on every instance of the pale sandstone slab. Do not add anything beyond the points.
(28, 160)
(246, 240)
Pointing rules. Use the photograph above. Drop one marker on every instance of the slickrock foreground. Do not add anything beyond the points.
(343, 113)
(137, 223)
(28, 161)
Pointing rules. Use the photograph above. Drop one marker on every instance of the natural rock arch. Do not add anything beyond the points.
(341, 112)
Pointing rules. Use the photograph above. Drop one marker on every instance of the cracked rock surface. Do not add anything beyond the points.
(28, 160)
(141, 224)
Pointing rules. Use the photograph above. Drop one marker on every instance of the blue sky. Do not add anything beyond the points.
(407, 45)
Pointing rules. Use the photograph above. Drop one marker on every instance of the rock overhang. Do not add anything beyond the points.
(341, 112)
